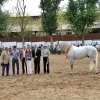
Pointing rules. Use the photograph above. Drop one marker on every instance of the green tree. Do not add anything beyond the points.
(98, 19)
(61, 20)
(10, 26)
(49, 20)
(81, 14)
(4, 20)
(24, 21)
(27, 26)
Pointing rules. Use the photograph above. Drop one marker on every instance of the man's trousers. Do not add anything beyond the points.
(15, 61)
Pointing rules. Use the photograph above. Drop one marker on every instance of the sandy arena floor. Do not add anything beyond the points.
(58, 85)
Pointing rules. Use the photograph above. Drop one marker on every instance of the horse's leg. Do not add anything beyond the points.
(71, 64)
(96, 65)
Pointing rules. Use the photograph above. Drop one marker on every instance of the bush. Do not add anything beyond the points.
(52, 51)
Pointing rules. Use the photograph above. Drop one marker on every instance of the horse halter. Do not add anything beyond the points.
(57, 44)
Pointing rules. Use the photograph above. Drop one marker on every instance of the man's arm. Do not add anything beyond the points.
(2, 54)
(20, 54)
(39, 53)
(11, 52)
(33, 53)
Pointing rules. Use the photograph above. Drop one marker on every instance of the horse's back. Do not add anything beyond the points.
(91, 51)
(84, 51)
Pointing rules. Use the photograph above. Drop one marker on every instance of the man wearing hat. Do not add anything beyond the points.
(45, 53)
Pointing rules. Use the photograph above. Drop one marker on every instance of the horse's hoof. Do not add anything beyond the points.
(97, 72)
(70, 73)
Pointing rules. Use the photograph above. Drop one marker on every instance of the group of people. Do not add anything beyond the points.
(25, 56)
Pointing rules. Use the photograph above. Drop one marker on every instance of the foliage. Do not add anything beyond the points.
(60, 16)
(49, 20)
(37, 24)
(4, 20)
(23, 20)
(16, 22)
(98, 11)
(60, 19)
(81, 15)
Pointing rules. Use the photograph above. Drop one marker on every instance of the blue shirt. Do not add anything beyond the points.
(15, 54)
(58, 49)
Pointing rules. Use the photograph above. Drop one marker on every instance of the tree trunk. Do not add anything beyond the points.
(51, 38)
(22, 37)
(83, 38)
(8, 37)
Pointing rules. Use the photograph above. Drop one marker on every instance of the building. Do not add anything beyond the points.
(35, 27)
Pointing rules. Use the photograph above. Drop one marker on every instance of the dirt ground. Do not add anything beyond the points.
(58, 85)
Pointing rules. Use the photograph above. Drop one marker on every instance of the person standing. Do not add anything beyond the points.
(28, 58)
(5, 61)
(36, 53)
(15, 59)
(45, 53)
(22, 59)
(59, 50)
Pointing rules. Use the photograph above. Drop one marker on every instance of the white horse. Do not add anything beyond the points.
(73, 52)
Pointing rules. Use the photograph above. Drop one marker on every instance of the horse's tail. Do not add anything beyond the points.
(92, 64)
(96, 56)
(97, 64)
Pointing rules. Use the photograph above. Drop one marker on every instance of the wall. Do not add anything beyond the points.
(19, 44)
(68, 37)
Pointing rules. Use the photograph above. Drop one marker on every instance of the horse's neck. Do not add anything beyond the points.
(64, 46)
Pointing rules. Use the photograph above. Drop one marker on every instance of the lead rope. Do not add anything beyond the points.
(67, 51)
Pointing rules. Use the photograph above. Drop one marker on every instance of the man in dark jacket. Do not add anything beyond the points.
(36, 53)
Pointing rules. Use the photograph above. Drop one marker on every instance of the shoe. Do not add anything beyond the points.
(35, 72)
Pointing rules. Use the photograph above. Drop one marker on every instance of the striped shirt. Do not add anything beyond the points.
(28, 56)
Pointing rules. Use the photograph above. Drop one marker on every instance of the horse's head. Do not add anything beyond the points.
(57, 44)
(62, 45)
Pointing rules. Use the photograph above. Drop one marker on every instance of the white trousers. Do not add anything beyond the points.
(29, 68)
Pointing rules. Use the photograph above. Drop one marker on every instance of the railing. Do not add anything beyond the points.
(68, 37)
